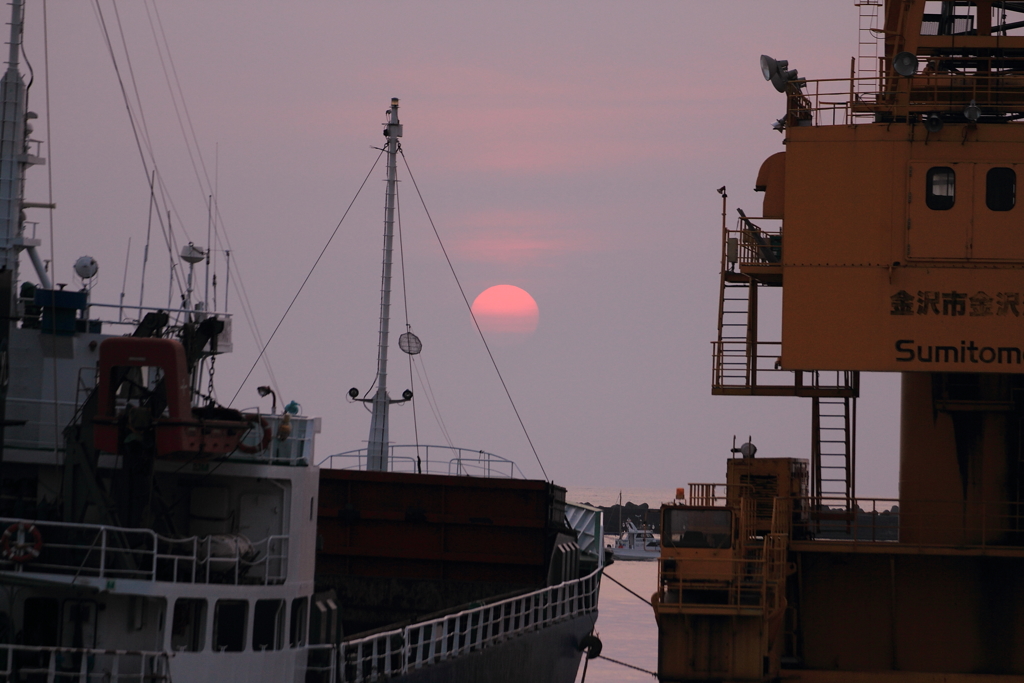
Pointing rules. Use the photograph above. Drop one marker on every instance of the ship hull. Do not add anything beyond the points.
(550, 655)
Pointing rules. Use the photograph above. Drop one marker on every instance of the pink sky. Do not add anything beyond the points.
(572, 149)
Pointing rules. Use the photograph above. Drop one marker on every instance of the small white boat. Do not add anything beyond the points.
(635, 544)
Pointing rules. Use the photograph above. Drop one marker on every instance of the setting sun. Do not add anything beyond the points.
(506, 310)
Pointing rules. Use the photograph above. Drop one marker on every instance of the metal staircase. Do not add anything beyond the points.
(743, 365)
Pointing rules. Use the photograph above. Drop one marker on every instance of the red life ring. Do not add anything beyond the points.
(21, 542)
(267, 437)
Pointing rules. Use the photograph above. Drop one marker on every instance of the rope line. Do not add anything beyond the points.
(606, 575)
(628, 666)
(470, 308)
(308, 275)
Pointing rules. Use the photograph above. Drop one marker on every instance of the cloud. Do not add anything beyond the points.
(520, 236)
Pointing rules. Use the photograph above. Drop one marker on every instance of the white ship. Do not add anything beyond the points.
(149, 534)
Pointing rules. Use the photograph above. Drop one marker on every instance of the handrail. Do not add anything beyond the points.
(107, 552)
(467, 461)
(739, 363)
(82, 665)
(400, 651)
(845, 101)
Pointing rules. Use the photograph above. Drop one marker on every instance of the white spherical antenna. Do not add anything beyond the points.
(192, 254)
(86, 267)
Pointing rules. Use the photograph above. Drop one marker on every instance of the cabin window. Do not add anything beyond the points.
(697, 529)
(1001, 189)
(941, 193)
(188, 628)
(267, 625)
(297, 635)
(229, 622)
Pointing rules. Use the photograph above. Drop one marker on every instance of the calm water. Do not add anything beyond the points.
(625, 625)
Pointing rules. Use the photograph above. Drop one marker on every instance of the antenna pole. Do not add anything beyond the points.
(377, 446)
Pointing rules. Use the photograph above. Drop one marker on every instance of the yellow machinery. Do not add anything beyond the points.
(891, 223)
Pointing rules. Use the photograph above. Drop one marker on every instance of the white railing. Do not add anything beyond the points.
(394, 653)
(105, 552)
(296, 449)
(76, 665)
(426, 459)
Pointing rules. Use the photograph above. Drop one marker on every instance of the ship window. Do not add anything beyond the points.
(941, 192)
(229, 622)
(697, 529)
(267, 625)
(188, 630)
(1001, 189)
(297, 637)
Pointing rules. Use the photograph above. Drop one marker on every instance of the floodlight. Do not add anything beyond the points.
(972, 112)
(933, 123)
(905, 63)
(777, 71)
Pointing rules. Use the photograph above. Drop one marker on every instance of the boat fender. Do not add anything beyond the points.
(21, 542)
(591, 645)
(246, 448)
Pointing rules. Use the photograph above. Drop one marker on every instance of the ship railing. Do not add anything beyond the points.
(749, 244)
(322, 663)
(742, 366)
(296, 449)
(715, 495)
(429, 459)
(81, 665)
(713, 582)
(846, 101)
(113, 553)
(401, 651)
(957, 523)
(129, 315)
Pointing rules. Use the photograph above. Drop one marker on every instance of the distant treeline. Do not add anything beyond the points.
(615, 517)
(879, 526)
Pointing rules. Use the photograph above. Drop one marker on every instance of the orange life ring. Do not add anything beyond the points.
(267, 437)
(11, 548)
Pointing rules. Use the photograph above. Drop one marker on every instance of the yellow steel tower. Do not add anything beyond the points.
(892, 224)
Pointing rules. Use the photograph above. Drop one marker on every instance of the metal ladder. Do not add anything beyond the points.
(737, 309)
(833, 448)
(868, 41)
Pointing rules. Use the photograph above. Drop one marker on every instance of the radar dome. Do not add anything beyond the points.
(86, 267)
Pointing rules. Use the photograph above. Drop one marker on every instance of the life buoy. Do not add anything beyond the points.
(21, 542)
(246, 448)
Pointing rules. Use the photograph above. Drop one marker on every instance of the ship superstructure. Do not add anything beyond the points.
(892, 224)
(146, 532)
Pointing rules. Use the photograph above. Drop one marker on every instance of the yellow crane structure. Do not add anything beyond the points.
(892, 225)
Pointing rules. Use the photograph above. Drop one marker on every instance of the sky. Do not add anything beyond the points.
(569, 149)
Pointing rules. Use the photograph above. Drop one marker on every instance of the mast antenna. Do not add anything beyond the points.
(377, 446)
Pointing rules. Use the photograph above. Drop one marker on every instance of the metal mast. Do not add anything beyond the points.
(377, 447)
(12, 152)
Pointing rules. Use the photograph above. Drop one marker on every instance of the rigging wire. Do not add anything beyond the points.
(209, 187)
(475, 323)
(433, 403)
(175, 275)
(308, 275)
(408, 328)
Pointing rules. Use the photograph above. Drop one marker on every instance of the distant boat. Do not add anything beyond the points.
(635, 544)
